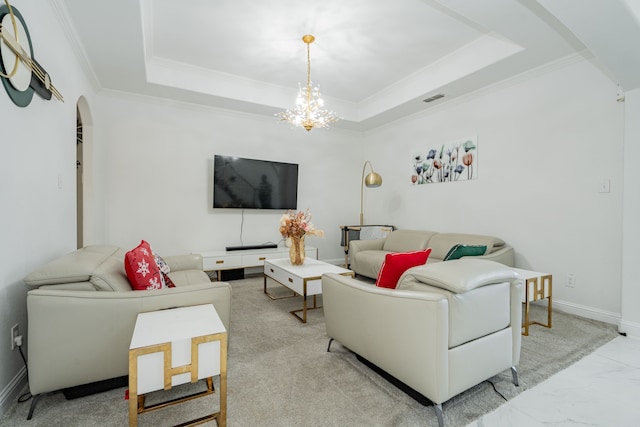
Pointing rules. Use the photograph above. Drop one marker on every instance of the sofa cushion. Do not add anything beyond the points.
(76, 266)
(141, 268)
(397, 263)
(458, 276)
(459, 251)
(407, 240)
(188, 277)
(441, 243)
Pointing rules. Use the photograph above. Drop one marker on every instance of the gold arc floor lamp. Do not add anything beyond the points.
(372, 180)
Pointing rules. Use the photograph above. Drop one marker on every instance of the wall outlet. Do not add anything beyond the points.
(604, 186)
(15, 332)
(571, 280)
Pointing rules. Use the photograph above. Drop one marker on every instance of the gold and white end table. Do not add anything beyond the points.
(537, 286)
(304, 280)
(177, 346)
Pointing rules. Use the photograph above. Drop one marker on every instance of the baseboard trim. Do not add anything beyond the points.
(631, 329)
(11, 392)
(588, 312)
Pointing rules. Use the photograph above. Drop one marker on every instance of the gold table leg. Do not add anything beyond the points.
(546, 282)
(276, 298)
(304, 309)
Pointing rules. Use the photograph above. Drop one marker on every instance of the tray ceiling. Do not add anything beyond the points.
(375, 60)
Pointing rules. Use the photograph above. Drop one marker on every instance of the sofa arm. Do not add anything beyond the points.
(356, 246)
(184, 262)
(381, 324)
(79, 337)
(504, 256)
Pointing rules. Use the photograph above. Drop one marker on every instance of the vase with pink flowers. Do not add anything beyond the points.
(295, 226)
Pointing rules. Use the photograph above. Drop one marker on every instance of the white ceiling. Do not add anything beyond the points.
(375, 60)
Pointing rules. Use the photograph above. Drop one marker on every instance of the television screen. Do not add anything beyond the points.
(254, 184)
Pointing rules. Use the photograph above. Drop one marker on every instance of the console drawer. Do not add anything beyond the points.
(221, 262)
(256, 260)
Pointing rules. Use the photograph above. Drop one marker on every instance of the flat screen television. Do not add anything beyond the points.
(254, 184)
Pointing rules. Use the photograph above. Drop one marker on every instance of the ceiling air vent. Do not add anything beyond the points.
(433, 98)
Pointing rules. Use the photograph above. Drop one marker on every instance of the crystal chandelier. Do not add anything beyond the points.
(308, 112)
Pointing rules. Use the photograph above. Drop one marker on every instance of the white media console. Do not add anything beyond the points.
(229, 260)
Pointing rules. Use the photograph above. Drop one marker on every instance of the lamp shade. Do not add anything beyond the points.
(373, 180)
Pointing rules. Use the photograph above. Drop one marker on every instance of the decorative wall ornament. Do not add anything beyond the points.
(20, 73)
(449, 162)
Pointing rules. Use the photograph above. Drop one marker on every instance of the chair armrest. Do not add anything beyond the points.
(184, 262)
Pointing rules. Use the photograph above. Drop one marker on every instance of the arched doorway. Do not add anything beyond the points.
(84, 168)
(79, 186)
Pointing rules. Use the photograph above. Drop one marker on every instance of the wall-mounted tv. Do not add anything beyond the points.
(254, 184)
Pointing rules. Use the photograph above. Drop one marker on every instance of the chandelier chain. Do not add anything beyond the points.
(308, 75)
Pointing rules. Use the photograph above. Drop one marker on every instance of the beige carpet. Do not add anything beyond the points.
(280, 374)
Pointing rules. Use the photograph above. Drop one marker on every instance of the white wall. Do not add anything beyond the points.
(631, 229)
(37, 219)
(544, 145)
(154, 175)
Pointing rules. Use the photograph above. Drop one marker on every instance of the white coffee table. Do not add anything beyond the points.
(303, 280)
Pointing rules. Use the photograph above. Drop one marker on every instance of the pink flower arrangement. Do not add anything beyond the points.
(298, 224)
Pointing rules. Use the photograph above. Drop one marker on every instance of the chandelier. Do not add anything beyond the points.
(308, 112)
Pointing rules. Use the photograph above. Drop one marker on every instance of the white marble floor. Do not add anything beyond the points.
(602, 389)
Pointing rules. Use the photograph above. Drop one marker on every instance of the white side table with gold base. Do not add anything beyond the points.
(177, 346)
(537, 286)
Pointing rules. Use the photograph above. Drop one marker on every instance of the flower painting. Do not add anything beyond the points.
(454, 161)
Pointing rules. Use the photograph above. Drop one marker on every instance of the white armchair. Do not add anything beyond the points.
(448, 326)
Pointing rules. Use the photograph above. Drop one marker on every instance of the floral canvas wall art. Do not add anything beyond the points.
(449, 162)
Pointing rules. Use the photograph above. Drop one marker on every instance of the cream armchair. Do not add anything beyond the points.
(82, 312)
(448, 326)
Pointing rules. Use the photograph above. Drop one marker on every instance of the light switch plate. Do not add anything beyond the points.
(605, 186)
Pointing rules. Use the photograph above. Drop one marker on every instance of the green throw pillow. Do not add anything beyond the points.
(458, 251)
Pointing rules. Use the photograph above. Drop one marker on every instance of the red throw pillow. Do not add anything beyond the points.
(397, 263)
(142, 271)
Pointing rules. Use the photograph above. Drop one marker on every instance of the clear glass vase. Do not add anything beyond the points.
(296, 251)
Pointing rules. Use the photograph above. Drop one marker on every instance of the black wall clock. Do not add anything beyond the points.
(21, 74)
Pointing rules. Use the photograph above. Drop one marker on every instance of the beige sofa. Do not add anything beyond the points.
(367, 256)
(447, 327)
(82, 311)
